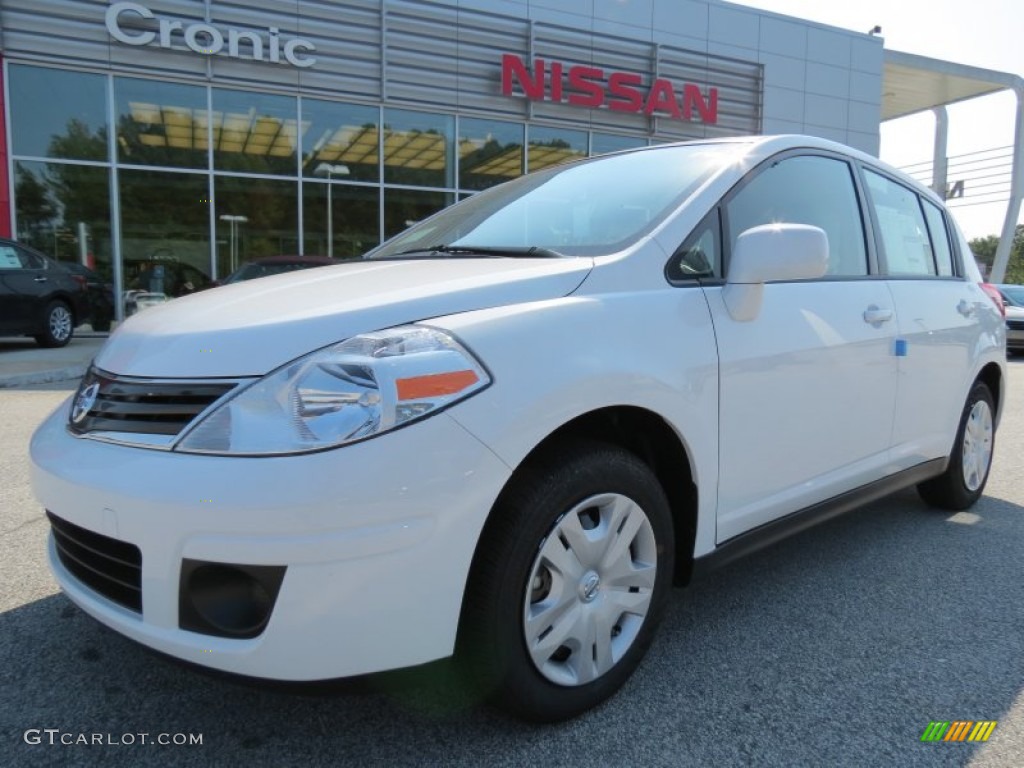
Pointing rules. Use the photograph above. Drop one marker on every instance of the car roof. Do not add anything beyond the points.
(763, 147)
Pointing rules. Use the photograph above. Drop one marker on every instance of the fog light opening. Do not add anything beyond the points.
(227, 600)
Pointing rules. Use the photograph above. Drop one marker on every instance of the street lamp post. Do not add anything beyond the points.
(336, 170)
(233, 221)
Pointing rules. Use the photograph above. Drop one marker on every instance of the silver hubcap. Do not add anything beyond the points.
(60, 323)
(590, 588)
(977, 451)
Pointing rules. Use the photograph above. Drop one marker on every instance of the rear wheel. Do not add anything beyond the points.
(964, 480)
(569, 582)
(59, 325)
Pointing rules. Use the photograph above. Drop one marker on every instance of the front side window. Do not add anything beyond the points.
(908, 250)
(811, 190)
(588, 208)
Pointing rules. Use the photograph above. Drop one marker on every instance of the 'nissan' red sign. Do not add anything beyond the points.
(593, 87)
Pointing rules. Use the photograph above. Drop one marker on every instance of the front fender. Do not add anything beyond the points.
(554, 361)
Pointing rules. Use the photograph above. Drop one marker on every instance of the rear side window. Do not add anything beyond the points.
(908, 249)
(30, 260)
(940, 238)
(806, 190)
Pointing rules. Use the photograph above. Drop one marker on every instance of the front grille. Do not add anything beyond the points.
(107, 403)
(1015, 325)
(111, 567)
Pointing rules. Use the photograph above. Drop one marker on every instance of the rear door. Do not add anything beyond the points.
(23, 284)
(808, 387)
(938, 318)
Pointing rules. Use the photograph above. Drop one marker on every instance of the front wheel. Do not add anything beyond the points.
(569, 582)
(967, 471)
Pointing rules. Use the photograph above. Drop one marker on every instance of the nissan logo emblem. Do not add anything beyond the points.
(84, 402)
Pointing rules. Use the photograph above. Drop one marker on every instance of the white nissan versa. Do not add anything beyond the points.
(510, 429)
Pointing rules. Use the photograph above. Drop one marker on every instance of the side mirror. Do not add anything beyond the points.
(767, 253)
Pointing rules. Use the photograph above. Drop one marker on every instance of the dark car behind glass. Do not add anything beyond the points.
(156, 280)
(39, 297)
(99, 292)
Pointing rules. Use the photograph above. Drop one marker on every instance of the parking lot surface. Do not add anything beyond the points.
(836, 647)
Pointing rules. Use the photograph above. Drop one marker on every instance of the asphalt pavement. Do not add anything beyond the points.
(834, 648)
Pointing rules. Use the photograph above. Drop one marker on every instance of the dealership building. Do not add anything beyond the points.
(207, 133)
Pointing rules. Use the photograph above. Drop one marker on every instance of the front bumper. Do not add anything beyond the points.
(376, 538)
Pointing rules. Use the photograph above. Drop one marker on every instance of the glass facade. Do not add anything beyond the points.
(63, 210)
(164, 187)
(163, 219)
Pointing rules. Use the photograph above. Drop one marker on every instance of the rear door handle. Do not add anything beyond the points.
(39, 279)
(875, 315)
(965, 308)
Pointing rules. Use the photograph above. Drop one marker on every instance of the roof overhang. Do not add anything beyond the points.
(912, 83)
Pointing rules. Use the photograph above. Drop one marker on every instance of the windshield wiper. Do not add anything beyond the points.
(521, 252)
(532, 251)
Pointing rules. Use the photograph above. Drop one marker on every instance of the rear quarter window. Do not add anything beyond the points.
(941, 248)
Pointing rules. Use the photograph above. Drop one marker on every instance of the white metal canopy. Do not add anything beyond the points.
(912, 83)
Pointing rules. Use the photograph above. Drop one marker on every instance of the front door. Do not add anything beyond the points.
(808, 386)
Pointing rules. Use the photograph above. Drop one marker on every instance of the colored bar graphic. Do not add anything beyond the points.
(959, 730)
(982, 730)
(935, 731)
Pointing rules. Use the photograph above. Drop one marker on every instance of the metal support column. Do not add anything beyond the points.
(1016, 194)
(940, 160)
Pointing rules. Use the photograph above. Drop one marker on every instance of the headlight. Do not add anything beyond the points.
(359, 388)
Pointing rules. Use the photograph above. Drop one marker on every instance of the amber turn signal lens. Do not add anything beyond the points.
(435, 385)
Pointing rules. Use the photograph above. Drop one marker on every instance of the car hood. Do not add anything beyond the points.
(1016, 313)
(253, 327)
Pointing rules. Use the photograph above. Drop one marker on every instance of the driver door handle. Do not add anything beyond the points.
(875, 315)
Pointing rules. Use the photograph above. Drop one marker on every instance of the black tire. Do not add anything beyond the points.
(58, 325)
(958, 488)
(538, 505)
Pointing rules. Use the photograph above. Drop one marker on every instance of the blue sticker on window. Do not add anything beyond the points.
(900, 348)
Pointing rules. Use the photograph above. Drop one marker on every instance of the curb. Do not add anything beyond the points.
(69, 373)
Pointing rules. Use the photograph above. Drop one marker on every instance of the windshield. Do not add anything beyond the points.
(588, 208)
